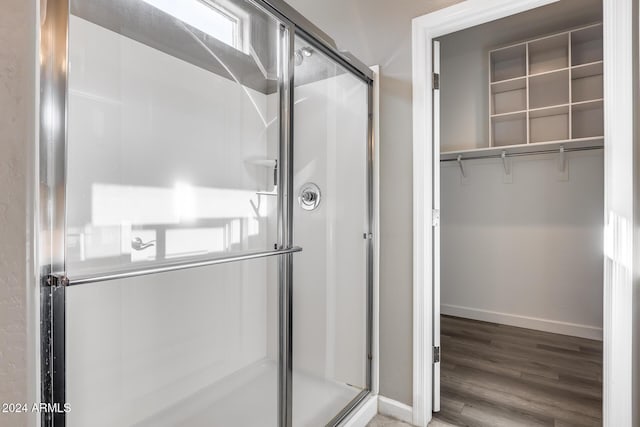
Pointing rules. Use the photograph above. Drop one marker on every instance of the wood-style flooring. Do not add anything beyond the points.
(498, 375)
(384, 421)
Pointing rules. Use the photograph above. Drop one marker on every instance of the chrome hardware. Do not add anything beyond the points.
(309, 196)
(461, 165)
(57, 280)
(435, 217)
(165, 267)
(139, 245)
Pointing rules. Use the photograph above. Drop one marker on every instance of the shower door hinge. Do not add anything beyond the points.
(435, 217)
(436, 81)
(57, 280)
(436, 354)
(367, 236)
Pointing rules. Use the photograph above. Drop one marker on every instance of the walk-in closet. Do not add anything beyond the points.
(521, 192)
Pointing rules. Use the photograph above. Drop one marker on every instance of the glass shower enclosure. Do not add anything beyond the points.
(206, 216)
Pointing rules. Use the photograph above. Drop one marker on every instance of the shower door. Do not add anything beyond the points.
(331, 220)
(175, 291)
(166, 302)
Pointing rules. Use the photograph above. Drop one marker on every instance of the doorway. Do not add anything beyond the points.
(521, 185)
(426, 29)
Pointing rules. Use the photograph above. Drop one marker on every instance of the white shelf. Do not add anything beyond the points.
(597, 141)
(586, 45)
(548, 72)
(549, 89)
(586, 120)
(549, 124)
(510, 115)
(587, 82)
(509, 96)
(508, 63)
(509, 129)
(546, 90)
(549, 54)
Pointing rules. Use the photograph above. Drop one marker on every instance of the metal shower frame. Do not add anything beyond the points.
(54, 21)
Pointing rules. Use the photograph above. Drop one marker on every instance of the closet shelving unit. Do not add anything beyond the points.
(545, 93)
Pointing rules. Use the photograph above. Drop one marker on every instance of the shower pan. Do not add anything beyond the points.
(206, 216)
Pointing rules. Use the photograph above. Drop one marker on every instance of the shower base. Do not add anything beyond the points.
(249, 398)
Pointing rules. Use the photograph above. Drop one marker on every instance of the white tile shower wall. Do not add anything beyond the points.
(140, 345)
(529, 251)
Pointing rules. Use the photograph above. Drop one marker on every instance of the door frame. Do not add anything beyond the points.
(619, 195)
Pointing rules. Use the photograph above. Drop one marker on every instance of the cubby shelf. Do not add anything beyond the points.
(549, 89)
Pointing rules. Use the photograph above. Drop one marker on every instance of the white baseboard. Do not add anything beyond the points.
(546, 325)
(395, 409)
(364, 414)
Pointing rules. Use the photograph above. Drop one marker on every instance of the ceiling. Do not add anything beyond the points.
(375, 31)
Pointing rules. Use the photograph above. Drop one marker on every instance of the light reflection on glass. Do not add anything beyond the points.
(152, 223)
(204, 16)
(114, 204)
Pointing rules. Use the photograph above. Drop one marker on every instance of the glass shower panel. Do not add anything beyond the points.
(172, 131)
(191, 348)
(330, 221)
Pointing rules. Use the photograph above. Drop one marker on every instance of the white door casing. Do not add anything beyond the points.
(436, 226)
(618, 391)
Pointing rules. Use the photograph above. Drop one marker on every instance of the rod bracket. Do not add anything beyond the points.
(562, 160)
(507, 178)
(505, 162)
(563, 166)
(461, 165)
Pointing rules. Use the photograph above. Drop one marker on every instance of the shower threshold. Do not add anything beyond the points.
(248, 398)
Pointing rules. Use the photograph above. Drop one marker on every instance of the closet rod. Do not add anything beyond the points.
(528, 153)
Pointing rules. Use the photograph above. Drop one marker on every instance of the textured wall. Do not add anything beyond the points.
(17, 67)
(527, 253)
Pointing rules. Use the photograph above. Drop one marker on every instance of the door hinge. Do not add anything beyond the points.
(436, 354)
(435, 217)
(436, 81)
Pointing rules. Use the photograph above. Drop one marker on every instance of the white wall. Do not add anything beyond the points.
(19, 288)
(140, 121)
(527, 253)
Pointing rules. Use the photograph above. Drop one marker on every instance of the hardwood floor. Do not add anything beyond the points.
(497, 375)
